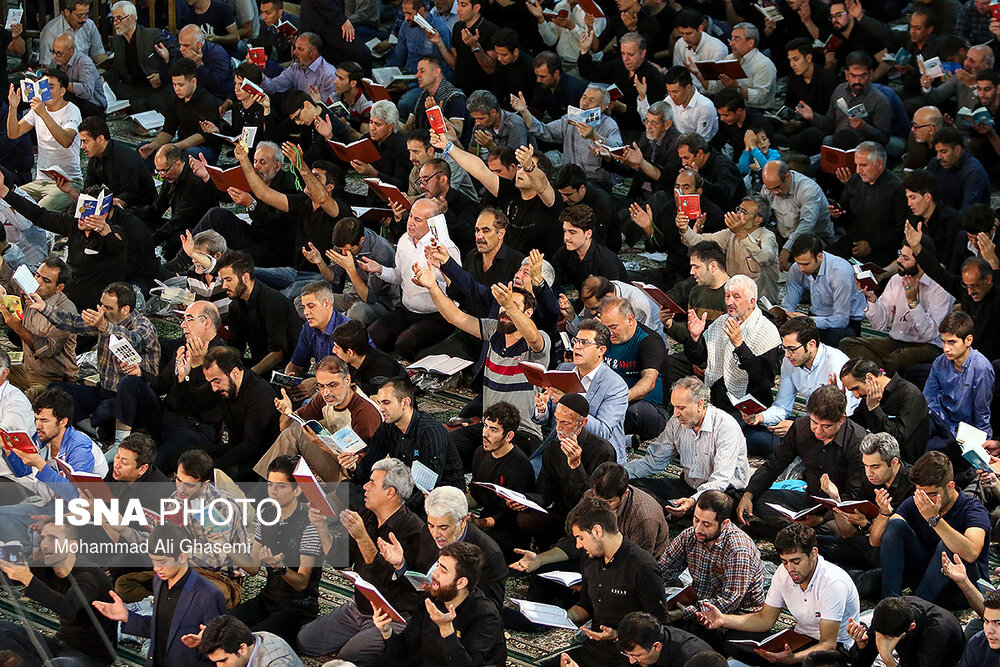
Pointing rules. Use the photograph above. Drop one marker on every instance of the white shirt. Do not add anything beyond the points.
(15, 410)
(761, 76)
(709, 48)
(830, 596)
(408, 253)
(87, 38)
(26, 236)
(567, 42)
(911, 325)
(50, 152)
(714, 458)
(699, 115)
(802, 381)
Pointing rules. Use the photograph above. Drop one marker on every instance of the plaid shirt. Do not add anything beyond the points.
(729, 574)
(136, 328)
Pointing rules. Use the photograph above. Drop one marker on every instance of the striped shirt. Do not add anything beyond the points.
(714, 458)
(502, 377)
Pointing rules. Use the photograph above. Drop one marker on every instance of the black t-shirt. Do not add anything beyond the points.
(531, 224)
(313, 225)
(184, 118)
(512, 470)
(216, 19)
(469, 76)
(294, 537)
(375, 369)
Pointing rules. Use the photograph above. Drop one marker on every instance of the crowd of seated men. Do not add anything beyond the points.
(802, 354)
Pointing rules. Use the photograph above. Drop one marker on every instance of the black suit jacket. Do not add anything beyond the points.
(145, 39)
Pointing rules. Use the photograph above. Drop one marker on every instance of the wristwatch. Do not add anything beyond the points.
(933, 521)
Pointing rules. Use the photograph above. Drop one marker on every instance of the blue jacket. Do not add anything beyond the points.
(963, 185)
(608, 400)
(77, 450)
(200, 602)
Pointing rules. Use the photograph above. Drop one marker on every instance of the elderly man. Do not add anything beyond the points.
(394, 165)
(693, 112)
(309, 69)
(654, 155)
(962, 86)
(874, 207)
(751, 249)
(577, 137)
(740, 351)
(758, 86)
(86, 90)
(634, 74)
(133, 74)
(74, 19)
(926, 122)
(799, 206)
(709, 443)
(215, 68)
(415, 322)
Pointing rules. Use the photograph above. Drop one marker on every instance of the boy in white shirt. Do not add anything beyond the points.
(55, 123)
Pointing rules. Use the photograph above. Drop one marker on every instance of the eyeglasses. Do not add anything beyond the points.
(188, 319)
(837, 15)
(119, 19)
(915, 126)
(424, 180)
(743, 211)
(582, 342)
(789, 350)
(58, 53)
(972, 286)
(81, 15)
(165, 169)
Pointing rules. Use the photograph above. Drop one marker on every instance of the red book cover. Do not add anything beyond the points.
(362, 150)
(866, 507)
(749, 405)
(660, 297)
(713, 69)
(286, 29)
(591, 7)
(565, 381)
(388, 193)
(258, 56)
(436, 119)
(228, 178)
(682, 598)
(374, 91)
(18, 440)
(251, 87)
(690, 205)
(831, 159)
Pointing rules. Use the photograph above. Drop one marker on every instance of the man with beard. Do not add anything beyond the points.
(337, 405)
(618, 578)
(66, 584)
(499, 461)
(259, 316)
(459, 209)
(914, 306)
(248, 412)
(725, 565)
(467, 631)
(448, 522)
(510, 339)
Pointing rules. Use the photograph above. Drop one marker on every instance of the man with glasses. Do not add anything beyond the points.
(925, 124)
(73, 18)
(654, 155)
(337, 404)
(974, 289)
(962, 86)
(49, 352)
(187, 196)
(606, 391)
(86, 89)
(850, 37)
(808, 365)
(757, 88)
(133, 74)
(184, 418)
(751, 249)
(460, 211)
(829, 445)
(799, 206)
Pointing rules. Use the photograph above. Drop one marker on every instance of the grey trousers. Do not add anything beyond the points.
(345, 631)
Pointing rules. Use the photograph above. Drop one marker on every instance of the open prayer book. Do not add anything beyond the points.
(545, 614)
(344, 441)
(513, 496)
(971, 440)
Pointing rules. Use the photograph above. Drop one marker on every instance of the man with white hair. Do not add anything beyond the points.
(577, 137)
(447, 511)
(415, 322)
(740, 351)
(962, 86)
(309, 70)
(759, 84)
(349, 630)
(394, 164)
(655, 154)
(215, 68)
(132, 73)
(709, 444)
(875, 207)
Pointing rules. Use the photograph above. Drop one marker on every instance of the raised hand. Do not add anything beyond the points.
(283, 404)
(518, 103)
(711, 617)
(392, 551)
(114, 610)
(529, 560)
(696, 325)
(642, 217)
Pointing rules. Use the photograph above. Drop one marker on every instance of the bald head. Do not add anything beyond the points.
(776, 176)
(978, 58)
(926, 122)
(421, 211)
(63, 48)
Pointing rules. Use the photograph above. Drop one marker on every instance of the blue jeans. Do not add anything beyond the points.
(760, 441)
(907, 561)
